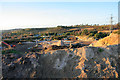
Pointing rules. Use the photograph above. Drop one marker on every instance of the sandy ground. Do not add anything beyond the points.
(107, 31)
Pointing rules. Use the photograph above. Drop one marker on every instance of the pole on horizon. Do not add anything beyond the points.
(111, 21)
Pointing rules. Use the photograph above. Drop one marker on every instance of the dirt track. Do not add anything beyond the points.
(24, 47)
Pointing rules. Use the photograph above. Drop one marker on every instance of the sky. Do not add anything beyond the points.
(51, 14)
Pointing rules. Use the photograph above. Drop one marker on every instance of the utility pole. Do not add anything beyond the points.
(111, 21)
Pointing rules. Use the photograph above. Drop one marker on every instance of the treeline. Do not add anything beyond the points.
(85, 32)
(93, 33)
(95, 26)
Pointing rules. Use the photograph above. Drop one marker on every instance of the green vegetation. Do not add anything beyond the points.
(94, 34)
(10, 51)
(94, 31)
(100, 49)
(84, 32)
(59, 37)
(117, 32)
(58, 32)
(100, 35)
(41, 39)
(12, 41)
(62, 26)
(91, 34)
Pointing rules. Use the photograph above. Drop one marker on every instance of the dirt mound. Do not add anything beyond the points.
(85, 38)
(85, 62)
(112, 39)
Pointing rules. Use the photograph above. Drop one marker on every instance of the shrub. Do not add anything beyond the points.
(60, 26)
(46, 34)
(68, 33)
(41, 39)
(10, 51)
(72, 33)
(117, 32)
(94, 32)
(55, 34)
(91, 34)
(100, 49)
(77, 34)
(100, 35)
(51, 33)
(84, 32)
(104, 34)
(97, 36)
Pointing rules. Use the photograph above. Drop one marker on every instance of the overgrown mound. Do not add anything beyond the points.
(112, 39)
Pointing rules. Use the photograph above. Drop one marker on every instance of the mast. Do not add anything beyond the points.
(111, 21)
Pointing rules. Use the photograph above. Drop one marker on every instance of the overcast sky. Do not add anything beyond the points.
(49, 14)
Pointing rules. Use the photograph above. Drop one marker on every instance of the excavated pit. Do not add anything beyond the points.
(85, 62)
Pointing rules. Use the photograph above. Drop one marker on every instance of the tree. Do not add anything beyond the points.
(84, 32)
(55, 34)
(97, 36)
(41, 39)
(68, 33)
(46, 34)
(61, 26)
(91, 34)
(94, 32)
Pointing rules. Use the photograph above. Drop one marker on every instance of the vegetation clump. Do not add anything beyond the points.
(100, 49)
(10, 51)
(117, 32)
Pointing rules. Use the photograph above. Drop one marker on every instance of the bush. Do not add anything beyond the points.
(41, 39)
(12, 41)
(94, 32)
(77, 34)
(91, 34)
(60, 37)
(84, 32)
(104, 34)
(68, 33)
(10, 51)
(72, 33)
(60, 26)
(55, 34)
(46, 34)
(97, 36)
(51, 33)
(117, 32)
(100, 50)
(100, 35)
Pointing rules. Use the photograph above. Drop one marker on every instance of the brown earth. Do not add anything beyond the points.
(85, 38)
(107, 31)
(113, 39)
(84, 62)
